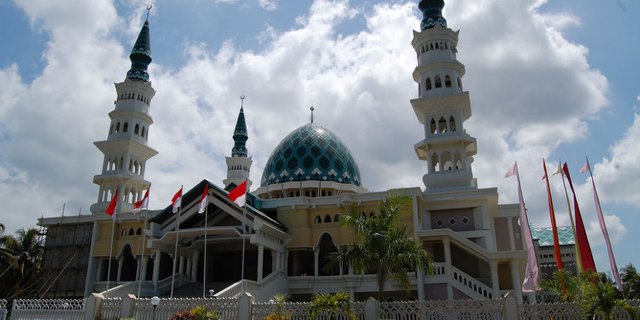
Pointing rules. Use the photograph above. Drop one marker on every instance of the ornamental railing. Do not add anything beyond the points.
(72, 309)
(227, 308)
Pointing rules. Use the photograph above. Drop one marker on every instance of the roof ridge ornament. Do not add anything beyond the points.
(312, 108)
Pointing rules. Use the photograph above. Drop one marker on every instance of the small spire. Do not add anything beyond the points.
(240, 136)
(312, 108)
(148, 9)
(141, 54)
(432, 14)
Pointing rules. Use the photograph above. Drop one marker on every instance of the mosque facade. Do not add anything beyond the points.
(281, 241)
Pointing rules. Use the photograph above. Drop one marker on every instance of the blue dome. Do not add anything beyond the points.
(311, 152)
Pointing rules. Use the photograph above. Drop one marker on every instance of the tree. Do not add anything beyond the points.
(331, 306)
(21, 258)
(382, 245)
(630, 282)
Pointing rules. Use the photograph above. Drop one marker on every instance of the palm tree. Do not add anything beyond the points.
(631, 282)
(331, 306)
(602, 299)
(382, 245)
(21, 258)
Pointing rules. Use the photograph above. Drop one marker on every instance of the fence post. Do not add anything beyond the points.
(92, 306)
(127, 306)
(371, 309)
(245, 306)
(510, 306)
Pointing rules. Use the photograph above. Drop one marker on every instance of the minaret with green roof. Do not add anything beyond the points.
(239, 164)
(125, 150)
(442, 105)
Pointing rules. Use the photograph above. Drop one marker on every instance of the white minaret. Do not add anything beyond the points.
(239, 164)
(442, 106)
(125, 150)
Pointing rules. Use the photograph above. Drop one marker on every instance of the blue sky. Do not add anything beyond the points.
(554, 79)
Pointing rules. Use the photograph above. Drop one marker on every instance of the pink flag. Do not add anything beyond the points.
(176, 201)
(142, 204)
(532, 276)
(585, 168)
(603, 227)
(203, 199)
(112, 205)
(239, 194)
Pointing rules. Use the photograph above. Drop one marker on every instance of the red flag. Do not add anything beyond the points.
(176, 201)
(581, 234)
(142, 204)
(111, 209)
(552, 216)
(203, 199)
(239, 194)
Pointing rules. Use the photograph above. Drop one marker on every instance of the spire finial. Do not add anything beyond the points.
(242, 101)
(240, 133)
(149, 6)
(312, 108)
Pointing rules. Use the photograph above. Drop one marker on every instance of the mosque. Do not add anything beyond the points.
(281, 241)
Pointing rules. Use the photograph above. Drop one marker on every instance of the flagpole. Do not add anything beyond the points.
(605, 233)
(573, 226)
(175, 251)
(113, 227)
(552, 216)
(204, 273)
(244, 219)
(141, 276)
(532, 276)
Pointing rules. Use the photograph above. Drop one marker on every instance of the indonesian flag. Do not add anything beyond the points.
(176, 201)
(203, 199)
(112, 205)
(142, 204)
(239, 194)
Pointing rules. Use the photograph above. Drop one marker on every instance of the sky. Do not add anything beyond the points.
(553, 79)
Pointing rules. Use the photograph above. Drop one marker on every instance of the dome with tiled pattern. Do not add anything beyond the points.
(311, 152)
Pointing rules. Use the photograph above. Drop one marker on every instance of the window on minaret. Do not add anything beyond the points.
(125, 127)
(433, 128)
(447, 81)
(136, 129)
(459, 84)
(442, 125)
(438, 82)
(428, 84)
(117, 127)
(452, 124)
(142, 132)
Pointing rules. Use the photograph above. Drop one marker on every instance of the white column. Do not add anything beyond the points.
(138, 269)
(120, 264)
(156, 268)
(88, 288)
(420, 284)
(260, 262)
(516, 283)
(494, 278)
(316, 258)
(181, 265)
(189, 263)
(145, 261)
(446, 243)
(194, 266)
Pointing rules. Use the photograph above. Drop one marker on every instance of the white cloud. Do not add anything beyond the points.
(268, 5)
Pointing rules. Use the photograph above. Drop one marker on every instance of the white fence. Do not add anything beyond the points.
(243, 308)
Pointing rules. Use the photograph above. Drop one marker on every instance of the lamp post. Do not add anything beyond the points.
(211, 292)
(155, 301)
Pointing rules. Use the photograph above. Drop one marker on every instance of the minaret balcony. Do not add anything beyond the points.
(451, 179)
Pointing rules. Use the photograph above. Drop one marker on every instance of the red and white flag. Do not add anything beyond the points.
(142, 204)
(239, 194)
(203, 199)
(176, 201)
(112, 205)
(584, 168)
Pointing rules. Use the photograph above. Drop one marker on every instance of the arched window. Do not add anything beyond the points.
(447, 81)
(442, 125)
(431, 46)
(317, 220)
(125, 127)
(131, 231)
(438, 82)
(117, 127)
(139, 231)
(336, 218)
(327, 248)
(452, 124)
(433, 128)
(327, 219)
(136, 129)
(428, 84)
